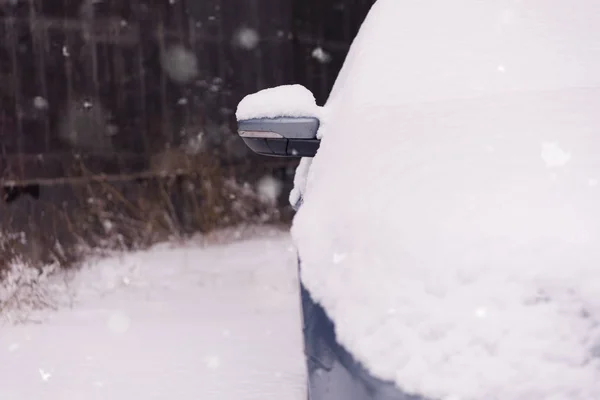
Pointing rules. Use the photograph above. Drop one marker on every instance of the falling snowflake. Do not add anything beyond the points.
(481, 312)
(554, 156)
(108, 225)
(111, 129)
(45, 375)
(213, 362)
(195, 143)
(269, 189)
(180, 64)
(339, 258)
(40, 103)
(247, 38)
(321, 55)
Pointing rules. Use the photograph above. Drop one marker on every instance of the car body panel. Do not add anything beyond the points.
(333, 373)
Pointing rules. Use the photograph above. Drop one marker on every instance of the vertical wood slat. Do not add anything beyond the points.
(222, 59)
(12, 39)
(40, 45)
(209, 32)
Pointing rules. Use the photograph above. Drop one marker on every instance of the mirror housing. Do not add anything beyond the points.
(282, 121)
(282, 136)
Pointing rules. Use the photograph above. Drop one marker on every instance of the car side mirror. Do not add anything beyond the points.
(280, 122)
(282, 136)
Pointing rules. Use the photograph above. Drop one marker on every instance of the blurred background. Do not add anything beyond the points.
(117, 117)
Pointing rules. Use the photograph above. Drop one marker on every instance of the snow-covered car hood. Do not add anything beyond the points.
(450, 218)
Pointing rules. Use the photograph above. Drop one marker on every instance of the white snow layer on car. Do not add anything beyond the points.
(300, 178)
(450, 219)
(282, 101)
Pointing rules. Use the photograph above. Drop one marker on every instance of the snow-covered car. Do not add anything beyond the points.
(448, 233)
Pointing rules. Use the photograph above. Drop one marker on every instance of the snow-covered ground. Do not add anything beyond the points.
(181, 322)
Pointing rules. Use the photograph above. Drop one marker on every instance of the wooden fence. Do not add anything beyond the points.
(116, 89)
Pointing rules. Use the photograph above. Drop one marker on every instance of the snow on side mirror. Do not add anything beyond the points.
(280, 122)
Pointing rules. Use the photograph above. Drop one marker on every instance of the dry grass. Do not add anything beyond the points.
(69, 222)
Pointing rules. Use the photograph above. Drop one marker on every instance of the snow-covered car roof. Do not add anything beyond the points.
(450, 218)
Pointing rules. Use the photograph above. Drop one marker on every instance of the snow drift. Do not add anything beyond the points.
(196, 320)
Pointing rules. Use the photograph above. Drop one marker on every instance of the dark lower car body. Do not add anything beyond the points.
(333, 373)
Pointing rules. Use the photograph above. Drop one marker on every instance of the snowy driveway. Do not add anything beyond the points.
(220, 322)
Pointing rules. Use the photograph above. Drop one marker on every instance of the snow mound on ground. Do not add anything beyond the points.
(195, 320)
(287, 100)
(459, 252)
(27, 293)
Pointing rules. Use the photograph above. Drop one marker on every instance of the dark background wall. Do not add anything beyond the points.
(129, 86)
(73, 72)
